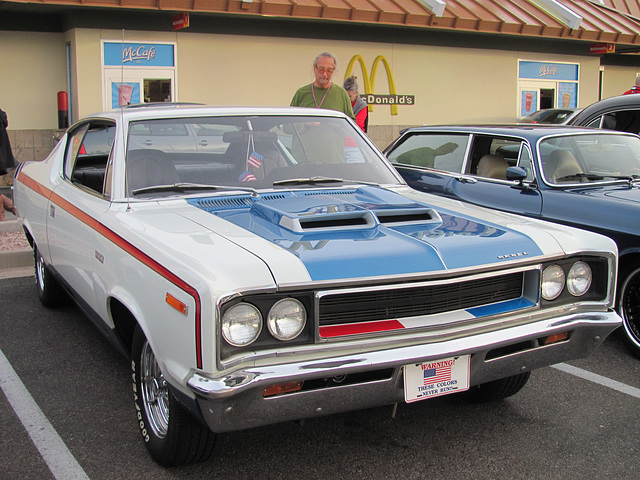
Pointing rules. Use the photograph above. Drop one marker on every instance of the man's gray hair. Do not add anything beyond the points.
(351, 84)
(326, 54)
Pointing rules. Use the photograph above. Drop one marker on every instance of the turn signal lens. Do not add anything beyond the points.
(282, 388)
(553, 281)
(556, 338)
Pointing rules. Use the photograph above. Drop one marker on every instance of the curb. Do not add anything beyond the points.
(9, 226)
(15, 263)
(14, 259)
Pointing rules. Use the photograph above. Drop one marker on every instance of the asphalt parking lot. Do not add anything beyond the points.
(66, 411)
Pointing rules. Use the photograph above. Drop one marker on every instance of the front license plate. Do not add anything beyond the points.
(439, 377)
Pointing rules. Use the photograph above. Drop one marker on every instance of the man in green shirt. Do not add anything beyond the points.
(323, 93)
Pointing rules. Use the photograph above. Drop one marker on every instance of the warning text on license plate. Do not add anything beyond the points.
(435, 378)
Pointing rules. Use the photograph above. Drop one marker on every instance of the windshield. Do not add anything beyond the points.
(590, 158)
(250, 153)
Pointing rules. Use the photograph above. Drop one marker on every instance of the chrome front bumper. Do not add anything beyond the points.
(235, 400)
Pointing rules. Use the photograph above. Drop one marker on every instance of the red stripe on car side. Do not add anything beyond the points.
(124, 245)
(359, 328)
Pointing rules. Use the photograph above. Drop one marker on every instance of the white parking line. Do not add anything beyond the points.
(599, 379)
(53, 450)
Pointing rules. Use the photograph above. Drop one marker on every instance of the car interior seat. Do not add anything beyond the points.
(148, 168)
(559, 164)
(493, 166)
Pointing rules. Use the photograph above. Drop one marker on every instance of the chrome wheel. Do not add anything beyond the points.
(50, 292)
(171, 434)
(40, 271)
(629, 309)
(155, 392)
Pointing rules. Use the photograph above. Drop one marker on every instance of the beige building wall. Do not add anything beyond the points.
(589, 81)
(86, 72)
(618, 80)
(267, 71)
(450, 85)
(33, 72)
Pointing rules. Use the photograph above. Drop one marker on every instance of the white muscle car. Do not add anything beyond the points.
(281, 269)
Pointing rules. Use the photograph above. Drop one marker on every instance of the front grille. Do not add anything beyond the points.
(367, 306)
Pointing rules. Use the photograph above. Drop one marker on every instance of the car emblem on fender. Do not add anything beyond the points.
(513, 255)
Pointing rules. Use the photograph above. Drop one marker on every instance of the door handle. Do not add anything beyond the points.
(465, 179)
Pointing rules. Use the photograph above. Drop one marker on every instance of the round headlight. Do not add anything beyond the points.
(552, 282)
(241, 324)
(286, 319)
(579, 279)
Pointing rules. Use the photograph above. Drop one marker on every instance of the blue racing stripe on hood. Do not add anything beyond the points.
(368, 231)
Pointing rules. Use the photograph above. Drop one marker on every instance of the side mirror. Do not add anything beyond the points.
(516, 174)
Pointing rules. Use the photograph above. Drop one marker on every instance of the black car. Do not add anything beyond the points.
(616, 113)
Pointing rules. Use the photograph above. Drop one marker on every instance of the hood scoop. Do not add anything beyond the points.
(342, 216)
(408, 217)
(319, 211)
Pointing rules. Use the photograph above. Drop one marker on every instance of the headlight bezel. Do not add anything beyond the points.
(600, 278)
(265, 340)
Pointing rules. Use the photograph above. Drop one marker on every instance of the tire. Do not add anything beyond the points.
(629, 309)
(172, 436)
(497, 390)
(50, 292)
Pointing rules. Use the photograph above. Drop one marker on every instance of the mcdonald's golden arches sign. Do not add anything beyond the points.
(393, 99)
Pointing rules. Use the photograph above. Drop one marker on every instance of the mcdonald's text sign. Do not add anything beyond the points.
(372, 99)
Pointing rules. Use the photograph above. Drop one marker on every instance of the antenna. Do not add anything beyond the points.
(126, 181)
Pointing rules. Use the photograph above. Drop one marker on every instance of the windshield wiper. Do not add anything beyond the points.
(588, 176)
(318, 180)
(630, 178)
(185, 186)
(307, 181)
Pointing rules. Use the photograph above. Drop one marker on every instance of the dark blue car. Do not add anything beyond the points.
(585, 178)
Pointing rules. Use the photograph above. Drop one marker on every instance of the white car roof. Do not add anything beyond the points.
(154, 111)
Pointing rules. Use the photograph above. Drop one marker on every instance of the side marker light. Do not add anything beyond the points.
(175, 303)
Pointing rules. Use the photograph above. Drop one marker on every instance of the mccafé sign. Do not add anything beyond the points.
(373, 99)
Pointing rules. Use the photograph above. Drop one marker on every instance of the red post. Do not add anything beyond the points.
(63, 110)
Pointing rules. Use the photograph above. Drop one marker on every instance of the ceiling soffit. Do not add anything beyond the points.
(612, 21)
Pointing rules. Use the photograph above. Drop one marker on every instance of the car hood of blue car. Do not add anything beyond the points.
(629, 194)
(368, 232)
(600, 197)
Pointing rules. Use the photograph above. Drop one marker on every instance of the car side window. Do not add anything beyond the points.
(525, 161)
(491, 156)
(441, 151)
(628, 121)
(87, 155)
(595, 123)
(622, 121)
(74, 146)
